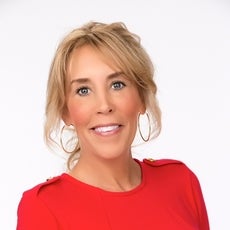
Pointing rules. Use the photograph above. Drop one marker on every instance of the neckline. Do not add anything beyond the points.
(79, 184)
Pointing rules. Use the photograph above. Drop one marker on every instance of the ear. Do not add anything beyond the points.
(142, 109)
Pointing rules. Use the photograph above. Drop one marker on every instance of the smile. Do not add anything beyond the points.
(106, 129)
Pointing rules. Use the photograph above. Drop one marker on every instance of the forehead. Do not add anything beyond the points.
(87, 51)
(88, 59)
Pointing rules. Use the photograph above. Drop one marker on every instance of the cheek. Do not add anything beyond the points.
(132, 105)
(78, 113)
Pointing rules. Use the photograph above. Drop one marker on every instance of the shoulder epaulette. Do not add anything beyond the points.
(38, 187)
(50, 180)
(161, 162)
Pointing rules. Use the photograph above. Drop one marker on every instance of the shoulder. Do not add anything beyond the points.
(35, 199)
(35, 191)
(161, 162)
(167, 168)
(169, 173)
(33, 211)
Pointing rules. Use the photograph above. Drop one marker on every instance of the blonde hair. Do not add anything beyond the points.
(119, 45)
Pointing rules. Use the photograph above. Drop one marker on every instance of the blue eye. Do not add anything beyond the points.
(118, 85)
(83, 91)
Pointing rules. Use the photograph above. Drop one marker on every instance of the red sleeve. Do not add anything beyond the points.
(199, 202)
(33, 214)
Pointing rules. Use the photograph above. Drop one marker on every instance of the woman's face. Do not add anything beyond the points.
(102, 105)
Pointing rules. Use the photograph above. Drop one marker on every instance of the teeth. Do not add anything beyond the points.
(106, 128)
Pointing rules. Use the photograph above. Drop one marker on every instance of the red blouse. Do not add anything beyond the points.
(169, 197)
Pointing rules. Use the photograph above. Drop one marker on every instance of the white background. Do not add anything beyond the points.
(189, 42)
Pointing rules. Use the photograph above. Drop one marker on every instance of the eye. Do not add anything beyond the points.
(118, 85)
(83, 91)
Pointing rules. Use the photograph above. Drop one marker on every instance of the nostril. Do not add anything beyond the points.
(105, 110)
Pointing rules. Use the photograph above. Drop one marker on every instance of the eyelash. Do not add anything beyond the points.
(79, 91)
(120, 85)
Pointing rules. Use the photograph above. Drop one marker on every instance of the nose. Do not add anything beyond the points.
(104, 104)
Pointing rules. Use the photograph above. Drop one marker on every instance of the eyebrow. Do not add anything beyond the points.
(85, 80)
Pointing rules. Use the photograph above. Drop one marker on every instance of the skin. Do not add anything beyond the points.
(103, 106)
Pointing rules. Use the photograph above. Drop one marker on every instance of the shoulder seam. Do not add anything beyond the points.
(38, 187)
(161, 162)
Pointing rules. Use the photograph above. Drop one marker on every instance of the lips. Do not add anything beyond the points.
(106, 129)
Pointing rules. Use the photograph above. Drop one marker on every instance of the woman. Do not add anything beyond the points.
(100, 83)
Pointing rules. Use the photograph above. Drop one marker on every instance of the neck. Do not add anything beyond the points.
(116, 175)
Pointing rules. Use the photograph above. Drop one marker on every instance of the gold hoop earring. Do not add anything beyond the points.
(149, 126)
(65, 127)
